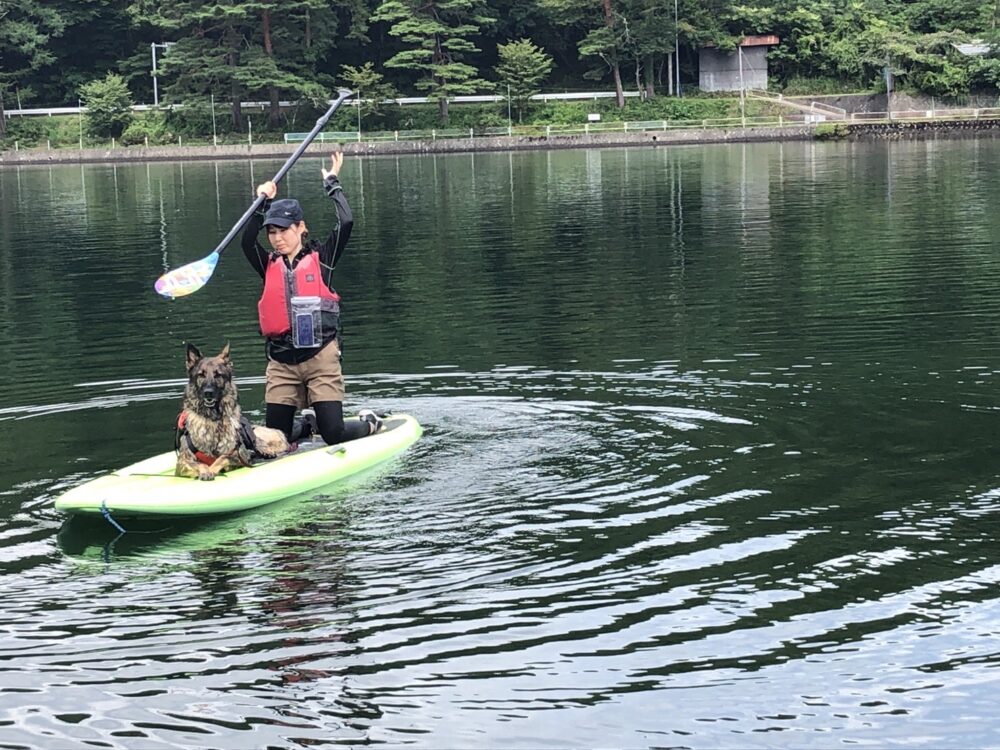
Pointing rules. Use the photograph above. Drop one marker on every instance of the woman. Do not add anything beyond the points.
(299, 314)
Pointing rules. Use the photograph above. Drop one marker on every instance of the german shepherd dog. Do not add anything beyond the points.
(213, 436)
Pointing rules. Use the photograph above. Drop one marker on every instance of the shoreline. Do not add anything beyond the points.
(670, 137)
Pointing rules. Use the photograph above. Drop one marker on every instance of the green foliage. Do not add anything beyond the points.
(522, 68)
(109, 106)
(984, 72)
(370, 87)
(800, 85)
(829, 131)
(194, 118)
(26, 131)
(927, 16)
(61, 130)
(152, 127)
(26, 29)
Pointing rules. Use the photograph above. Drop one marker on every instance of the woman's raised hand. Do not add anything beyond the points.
(336, 162)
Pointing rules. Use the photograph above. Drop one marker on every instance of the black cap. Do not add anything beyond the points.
(283, 213)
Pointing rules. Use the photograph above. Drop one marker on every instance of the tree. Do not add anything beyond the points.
(522, 68)
(109, 106)
(649, 33)
(603, 38)
(26, 30)
(436, 34)
(98, 38)
(369, 86)
(282, 41)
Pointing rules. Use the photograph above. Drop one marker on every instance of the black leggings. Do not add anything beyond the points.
(329, 417)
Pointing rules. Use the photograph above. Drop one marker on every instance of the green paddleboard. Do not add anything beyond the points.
(150, 489)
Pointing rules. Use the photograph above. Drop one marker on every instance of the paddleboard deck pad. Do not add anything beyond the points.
(149, 488)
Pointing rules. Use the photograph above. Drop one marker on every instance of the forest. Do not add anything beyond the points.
(59, 52)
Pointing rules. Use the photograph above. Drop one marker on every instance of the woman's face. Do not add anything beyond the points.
(286, 240)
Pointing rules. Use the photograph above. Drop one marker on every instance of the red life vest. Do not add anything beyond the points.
(281, 283)
(183, 434)
(245, 436)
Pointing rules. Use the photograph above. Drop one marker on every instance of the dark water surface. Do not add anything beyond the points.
(710, 457)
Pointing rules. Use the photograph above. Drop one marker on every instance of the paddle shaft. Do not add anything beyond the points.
(259, 201)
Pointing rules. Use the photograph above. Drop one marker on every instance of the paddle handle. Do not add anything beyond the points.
(342, 95)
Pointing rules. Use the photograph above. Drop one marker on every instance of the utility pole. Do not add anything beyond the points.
(152, 48)
(510, 129)
(743, 88)
(677, 51)
(888, 86)
(215, 139)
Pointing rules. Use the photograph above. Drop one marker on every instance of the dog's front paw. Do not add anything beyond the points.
(205, 474)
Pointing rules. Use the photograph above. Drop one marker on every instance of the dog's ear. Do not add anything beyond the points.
(193, 356)
(224, 354)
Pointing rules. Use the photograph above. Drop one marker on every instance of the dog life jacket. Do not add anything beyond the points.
(281, 283)
(245, 436)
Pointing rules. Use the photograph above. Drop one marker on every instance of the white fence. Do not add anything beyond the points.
(548, 130)
(588, 128)
(971, 113)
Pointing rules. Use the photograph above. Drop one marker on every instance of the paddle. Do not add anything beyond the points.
(192, 277)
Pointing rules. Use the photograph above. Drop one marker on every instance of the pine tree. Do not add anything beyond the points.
(237, 48)
(26, 29)
(369, 86)
(436, 34)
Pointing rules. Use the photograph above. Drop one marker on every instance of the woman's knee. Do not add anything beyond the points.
(330, 418)
(280, 417)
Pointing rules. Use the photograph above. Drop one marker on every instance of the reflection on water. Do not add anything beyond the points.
(708, 458)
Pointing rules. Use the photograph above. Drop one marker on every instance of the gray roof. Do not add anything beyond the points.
(976, 48)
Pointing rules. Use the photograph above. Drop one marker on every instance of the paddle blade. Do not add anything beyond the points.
(187, 279)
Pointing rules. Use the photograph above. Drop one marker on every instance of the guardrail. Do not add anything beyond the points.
(403, 100)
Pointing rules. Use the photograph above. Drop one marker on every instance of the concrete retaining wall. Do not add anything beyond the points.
(900, 102)
(923, 129)
(847, 102)
(386, 148)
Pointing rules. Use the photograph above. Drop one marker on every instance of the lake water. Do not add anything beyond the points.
(710, 457)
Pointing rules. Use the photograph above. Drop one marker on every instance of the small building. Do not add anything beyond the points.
(721, 71)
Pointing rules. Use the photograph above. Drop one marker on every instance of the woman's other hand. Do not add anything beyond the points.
(268, 190)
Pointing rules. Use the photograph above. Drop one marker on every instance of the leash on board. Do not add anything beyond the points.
(109, 518)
